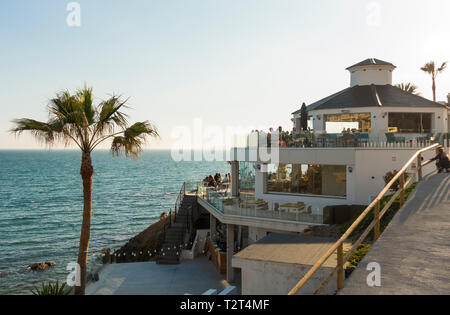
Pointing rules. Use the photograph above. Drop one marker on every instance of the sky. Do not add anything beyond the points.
(204, 67)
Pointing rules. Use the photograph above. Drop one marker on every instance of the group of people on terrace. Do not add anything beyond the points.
(216, 180)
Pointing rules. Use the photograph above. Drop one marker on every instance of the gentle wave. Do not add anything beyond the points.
(41, 206)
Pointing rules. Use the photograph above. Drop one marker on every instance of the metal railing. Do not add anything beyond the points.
(375, 224)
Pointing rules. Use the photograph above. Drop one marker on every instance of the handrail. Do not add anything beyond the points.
(375, 204)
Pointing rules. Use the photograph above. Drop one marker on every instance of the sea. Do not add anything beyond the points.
(41, 202)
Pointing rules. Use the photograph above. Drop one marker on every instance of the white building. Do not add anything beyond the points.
(320, 176)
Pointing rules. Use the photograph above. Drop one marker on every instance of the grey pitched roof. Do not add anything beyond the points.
(371, 62)
(371, 96)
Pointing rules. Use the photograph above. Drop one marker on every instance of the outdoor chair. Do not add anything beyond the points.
(362, 138)
(391, 138)
(425, 138)
(331, 140)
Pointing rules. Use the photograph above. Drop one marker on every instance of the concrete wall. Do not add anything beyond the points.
(274, 278)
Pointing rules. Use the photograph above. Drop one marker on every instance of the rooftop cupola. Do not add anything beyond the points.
(371, 71)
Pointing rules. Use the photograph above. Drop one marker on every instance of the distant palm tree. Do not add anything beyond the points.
(408, 87)
(430, 68)
(74, 119)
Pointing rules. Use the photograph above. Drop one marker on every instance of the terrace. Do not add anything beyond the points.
(245, 205)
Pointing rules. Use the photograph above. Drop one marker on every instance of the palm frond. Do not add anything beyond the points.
(429, 67)
(133, 139)
(85, 99)
(408, 87)
(42, 131)
(109, 112)
(442, 67)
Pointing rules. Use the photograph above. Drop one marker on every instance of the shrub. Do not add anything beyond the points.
(389, 176)
(359, 254)
(390, 213)
(52, 289)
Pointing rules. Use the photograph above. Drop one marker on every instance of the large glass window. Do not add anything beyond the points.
(247, 174)
(410, 122)
(335, 123)
(326, 180)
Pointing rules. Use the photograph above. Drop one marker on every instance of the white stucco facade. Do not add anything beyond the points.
(371, 74)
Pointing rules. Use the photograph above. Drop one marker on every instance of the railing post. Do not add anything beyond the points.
(340, 265)
(419, 167)
(376, 215)
(402, 187)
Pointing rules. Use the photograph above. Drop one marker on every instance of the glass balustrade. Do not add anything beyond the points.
(221, 200)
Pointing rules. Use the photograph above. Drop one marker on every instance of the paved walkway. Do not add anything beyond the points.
(148, 278)
(414, 251)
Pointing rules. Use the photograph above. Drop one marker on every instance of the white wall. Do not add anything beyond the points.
(378, 75)
(372, 164)
(274, 278)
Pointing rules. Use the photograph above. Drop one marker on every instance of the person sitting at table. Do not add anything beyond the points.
(212, 182)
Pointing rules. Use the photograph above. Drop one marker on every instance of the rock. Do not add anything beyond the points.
(41, 266)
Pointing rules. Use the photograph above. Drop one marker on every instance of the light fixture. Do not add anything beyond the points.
(257, 166)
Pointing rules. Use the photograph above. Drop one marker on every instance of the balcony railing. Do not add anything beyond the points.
(317, 139)
(246, 206)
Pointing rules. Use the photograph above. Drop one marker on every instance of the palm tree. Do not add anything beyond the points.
(74, 119)
(408, 87)
(430, 68)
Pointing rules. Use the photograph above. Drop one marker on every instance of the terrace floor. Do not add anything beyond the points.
(148, 278)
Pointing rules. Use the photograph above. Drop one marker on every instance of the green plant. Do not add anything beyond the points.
(358, 255)
(384, 222)
(51, 289)
(389, 176)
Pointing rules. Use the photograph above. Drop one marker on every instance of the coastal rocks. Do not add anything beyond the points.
(142, 247)
(41, 266)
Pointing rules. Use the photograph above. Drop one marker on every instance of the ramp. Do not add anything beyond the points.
(414, 251)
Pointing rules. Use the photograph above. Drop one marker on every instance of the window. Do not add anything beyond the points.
(410, 122)
(358, 121)
(247, 174)
(326, 180)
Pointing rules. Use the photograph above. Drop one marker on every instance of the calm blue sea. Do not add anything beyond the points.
(41, 206)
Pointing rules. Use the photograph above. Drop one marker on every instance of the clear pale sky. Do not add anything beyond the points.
(227, 62)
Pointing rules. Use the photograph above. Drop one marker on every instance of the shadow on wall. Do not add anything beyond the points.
(341, 213)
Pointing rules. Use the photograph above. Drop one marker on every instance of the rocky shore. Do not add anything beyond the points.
(142, 247)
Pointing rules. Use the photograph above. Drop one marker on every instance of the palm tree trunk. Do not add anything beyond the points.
(86, 172)
(434, 90)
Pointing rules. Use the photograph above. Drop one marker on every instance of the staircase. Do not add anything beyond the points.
(176, 234)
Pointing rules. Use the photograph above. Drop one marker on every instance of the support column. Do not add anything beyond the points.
(235, 178)
(212, 227)
(230, 252)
